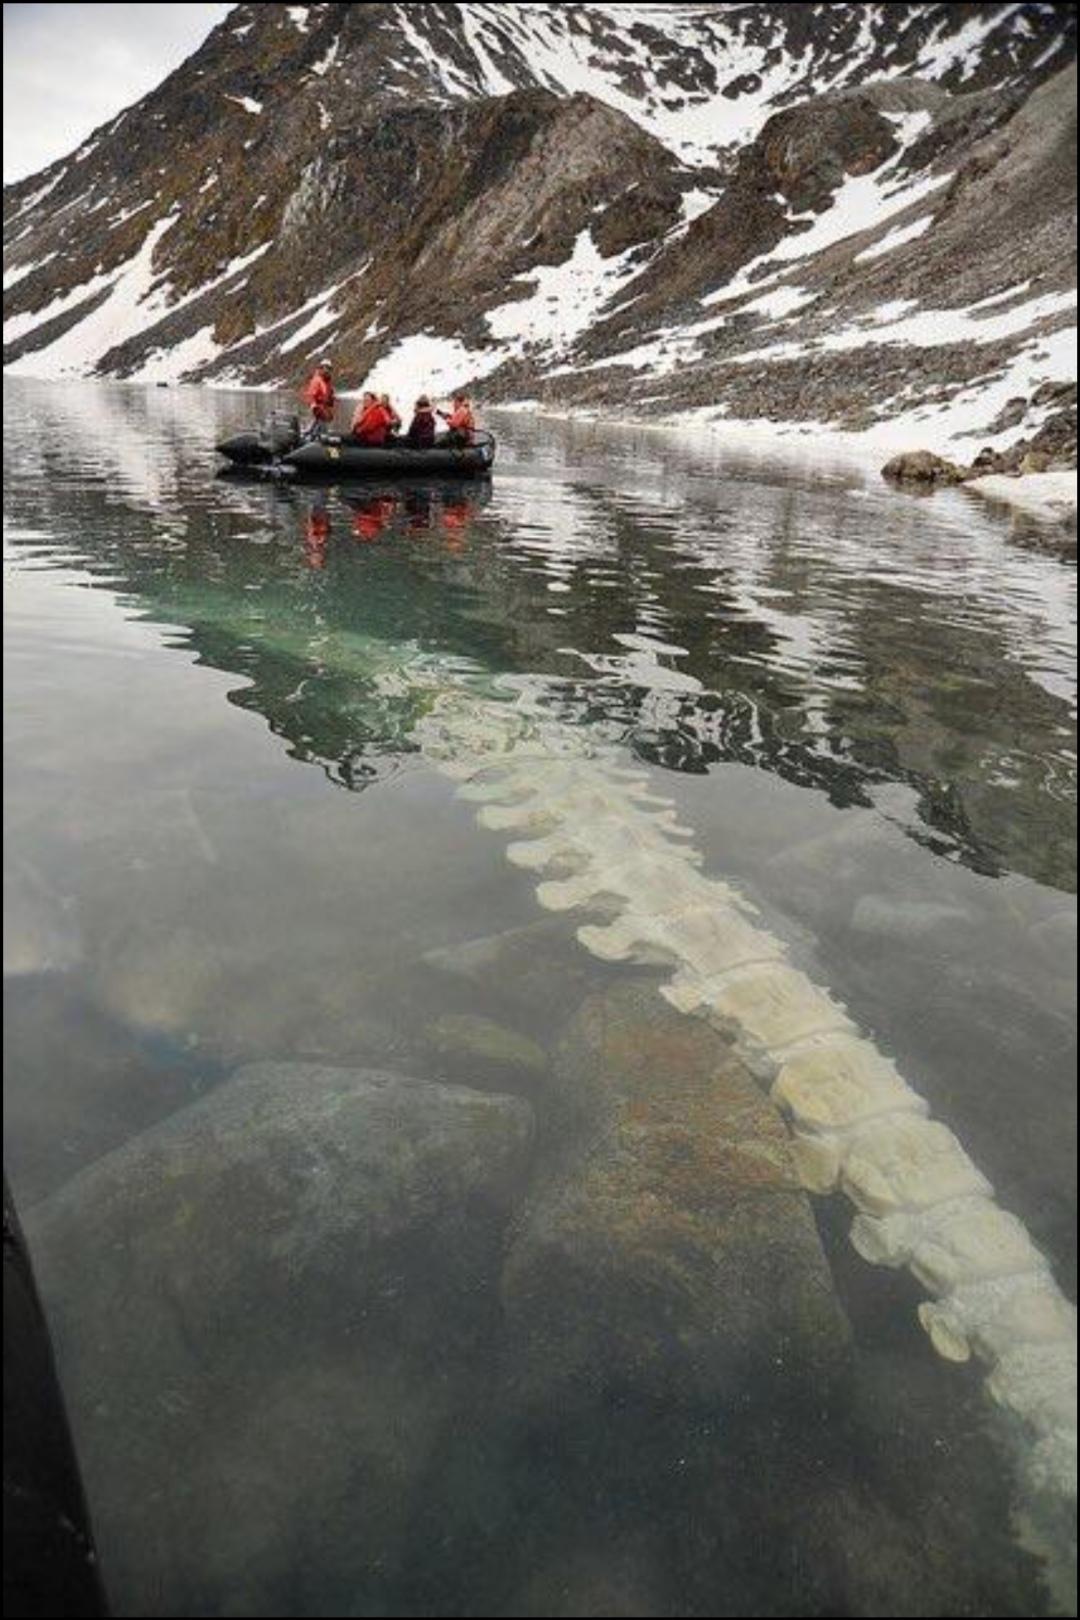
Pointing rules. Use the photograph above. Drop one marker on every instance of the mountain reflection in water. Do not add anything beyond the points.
(699, 617)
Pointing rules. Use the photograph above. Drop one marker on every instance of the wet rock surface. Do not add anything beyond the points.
(490, 1054)
(267, 1310)
(538, 971)
(670, 1250)
(78, 1083)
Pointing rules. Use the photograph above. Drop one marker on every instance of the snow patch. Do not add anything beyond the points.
(36, 196)
(424, 364)
(19, 272)
(326, 62)
(137, 299)
(1047, 495)
(896, 238)
(248, 103)
(566, 298)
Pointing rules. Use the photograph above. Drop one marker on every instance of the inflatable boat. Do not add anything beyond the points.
(279, 450)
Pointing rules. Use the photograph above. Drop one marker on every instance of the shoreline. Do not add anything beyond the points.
(1047, 497)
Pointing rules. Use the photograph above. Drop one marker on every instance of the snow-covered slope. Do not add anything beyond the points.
(826, 213)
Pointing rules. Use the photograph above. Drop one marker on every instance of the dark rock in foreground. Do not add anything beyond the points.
(267, 1311)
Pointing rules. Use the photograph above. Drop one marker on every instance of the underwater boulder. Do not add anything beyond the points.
(670, 1249)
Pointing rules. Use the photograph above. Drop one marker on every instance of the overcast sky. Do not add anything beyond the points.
(69, 68)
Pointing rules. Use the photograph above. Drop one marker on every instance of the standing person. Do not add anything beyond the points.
(421, 434)
(460, 422)
(395, 419)
(319, 394)
(371, 421)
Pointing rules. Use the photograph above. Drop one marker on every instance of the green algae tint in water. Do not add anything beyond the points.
(402, 1256)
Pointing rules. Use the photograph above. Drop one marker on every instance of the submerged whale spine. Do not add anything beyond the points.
(600, 839)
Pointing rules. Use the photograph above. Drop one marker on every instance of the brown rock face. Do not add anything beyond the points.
(921, 467)
(676, 1254)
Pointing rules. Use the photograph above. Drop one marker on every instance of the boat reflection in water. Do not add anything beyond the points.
(441, 510)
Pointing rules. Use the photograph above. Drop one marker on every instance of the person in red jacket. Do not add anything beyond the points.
(319, 394)
(459, 420)
(371, 422)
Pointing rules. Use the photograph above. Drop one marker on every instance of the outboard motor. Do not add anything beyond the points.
(282, 432)
(275, 438)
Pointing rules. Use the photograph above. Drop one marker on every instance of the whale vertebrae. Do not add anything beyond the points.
(600, 839)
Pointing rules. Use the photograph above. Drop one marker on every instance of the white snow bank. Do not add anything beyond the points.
(424, 364)
(327, 60)
(19, 272)
(1047, 495)
(956, 427)
(566, 300)
(137, 299)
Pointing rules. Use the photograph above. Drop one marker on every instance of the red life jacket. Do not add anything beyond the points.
(371, 423)
(461, 419)
(319, 394)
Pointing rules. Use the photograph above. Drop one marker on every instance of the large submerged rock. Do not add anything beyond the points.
(268, 1311)
(671, 1250)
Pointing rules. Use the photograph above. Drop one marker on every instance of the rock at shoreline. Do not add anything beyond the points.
(672, 1251)
(267, 1310)
(922, 467)
(1051, 449)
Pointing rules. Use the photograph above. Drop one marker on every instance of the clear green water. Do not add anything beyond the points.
(225, 844)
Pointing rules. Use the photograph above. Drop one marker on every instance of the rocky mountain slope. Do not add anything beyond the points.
(837, 214)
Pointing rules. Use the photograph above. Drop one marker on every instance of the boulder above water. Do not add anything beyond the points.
(671, 1250)
(922, 467)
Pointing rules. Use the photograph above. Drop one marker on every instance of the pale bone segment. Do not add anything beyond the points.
(914, 1164)
(608, 841)
(777, 1006)
(993, 1317)
(969, 1239)
(1038, 1383)
(844, 1083)
(659, 879)
(855, 1122)
(701, 936)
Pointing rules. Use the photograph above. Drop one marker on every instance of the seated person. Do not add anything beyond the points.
(395, 419)
(421, 434)
(371, 421)
(459, 420)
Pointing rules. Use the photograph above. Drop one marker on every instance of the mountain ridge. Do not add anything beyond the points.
(522, 197)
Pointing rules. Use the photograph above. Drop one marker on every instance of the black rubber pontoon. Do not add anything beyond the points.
(278, 450)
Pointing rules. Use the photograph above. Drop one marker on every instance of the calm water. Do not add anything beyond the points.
(226, 843)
